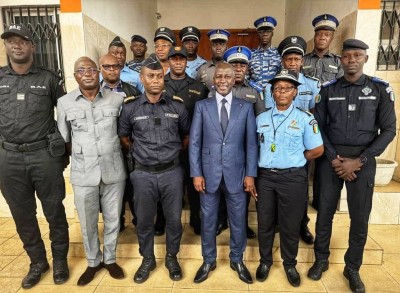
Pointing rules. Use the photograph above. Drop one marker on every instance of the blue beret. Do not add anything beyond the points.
(240, 54)
(292, 44)
(190, 33)
(351, 44)
(218, 34)
(137, 38)
(286, 75)
(166, 34)
(265, 22)
(325, 22)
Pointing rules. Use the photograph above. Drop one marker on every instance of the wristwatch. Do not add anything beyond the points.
(363, 159)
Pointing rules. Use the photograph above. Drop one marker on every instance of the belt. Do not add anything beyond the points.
(282, 171)
(157, 168)
(349, 151)
(24, 147)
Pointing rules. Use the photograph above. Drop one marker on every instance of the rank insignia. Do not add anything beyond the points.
(366, 90)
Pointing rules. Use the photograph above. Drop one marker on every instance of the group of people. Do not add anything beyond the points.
(148, 131)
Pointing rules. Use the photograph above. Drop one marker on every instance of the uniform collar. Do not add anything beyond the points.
(327, 54)
(360, 81)
(32, 69)
(143, 99)
(80, 95)
(285, 113)
(103, 84)
(187, 78)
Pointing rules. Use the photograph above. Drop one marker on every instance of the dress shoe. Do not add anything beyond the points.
(220, 228)
(250, 233)
(242, 271)
(143, 272)
(115, 270)
(60, 271)
(306, 235)
(89, 274)
(203, 271)
(262, 272)
(171, 263)
(319, 266)
(293, 276)
(35, 272)
(355, 282)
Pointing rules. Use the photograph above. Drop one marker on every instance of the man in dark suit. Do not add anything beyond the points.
(223, 160)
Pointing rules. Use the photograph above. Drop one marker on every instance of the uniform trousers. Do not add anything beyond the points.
(236, 206)
(192, 193)
(359, 199)
(281, 197)
(149, 188)
(21, 175)
(88, 200)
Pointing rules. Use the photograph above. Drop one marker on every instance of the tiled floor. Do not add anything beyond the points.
(377, 278)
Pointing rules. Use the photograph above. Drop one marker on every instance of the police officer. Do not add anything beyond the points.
(158, 127)
(139, 49)
(265, 61)
(292, 50)
(218, 41)
(288, 138)
(30, 160)
(357, 119)
(164, 39)
(321, 63)
(190, 38)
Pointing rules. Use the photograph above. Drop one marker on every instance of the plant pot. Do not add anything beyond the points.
(384, 171)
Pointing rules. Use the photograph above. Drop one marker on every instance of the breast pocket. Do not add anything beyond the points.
(293, 139)
(170, 125)
(265, 136)
(330, 71)
(78, 121)
(141, 126)
(110, 119)
(5, 101)
(366, 114)
(38, 100)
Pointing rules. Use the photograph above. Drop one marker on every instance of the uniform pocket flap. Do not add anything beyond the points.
(4, 91)
(39, 91)
(111, 112)
(75, 115)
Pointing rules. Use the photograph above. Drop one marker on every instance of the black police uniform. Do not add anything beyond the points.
(350, 116)
(27, 104)
(157, 131)
(325, 69)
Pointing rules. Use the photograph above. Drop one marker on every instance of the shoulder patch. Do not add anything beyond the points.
(315, 79)
(129, 99)
(378, 80)
(177, 99)
(305, 111)
(256, 86)
(329, 82)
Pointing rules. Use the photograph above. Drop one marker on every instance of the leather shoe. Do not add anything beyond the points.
(115, 270)
(293, 276)
(203, 271)
(250, 233)
(89, 274)
(306, 235)
(355, 282)
(60, 271)
(262, 272)
(196, 227)
(220, 228)
(319, 266)
(242, 271)
(143, 272)
(35, 272)
(171, 263)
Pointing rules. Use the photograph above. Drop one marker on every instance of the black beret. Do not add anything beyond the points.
(351, 44)
(286, 75)
(116, 42)
(190, 33)
(137, 38)
(166, 34)
(152, 63)
(292, 44)
(173, 51)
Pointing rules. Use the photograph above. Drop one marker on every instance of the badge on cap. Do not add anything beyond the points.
(162, 29)
(294, 40)
(284, 72)
(190, 29)
(366, 90)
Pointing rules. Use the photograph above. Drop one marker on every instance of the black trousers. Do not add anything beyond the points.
(359, 199)
(281, 197)
(128, 198)
(21, 175)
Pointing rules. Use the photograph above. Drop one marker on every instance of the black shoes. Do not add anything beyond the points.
(242, 271)
(196, 227)
(143, 272)
(35, 272)
(306, 235)
(220, 228)
(262, 272)
(60, 271)
(319, 266)
(250, 233)
(171, 263)
(114, 270)
(203, 271)
(355, 282)
(293, 276)
(89, 274)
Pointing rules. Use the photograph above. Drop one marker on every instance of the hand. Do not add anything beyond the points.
(199, 183)
(66, 160)
(346, 168)
(250, 187)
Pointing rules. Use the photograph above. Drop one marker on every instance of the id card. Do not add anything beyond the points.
(20, 96)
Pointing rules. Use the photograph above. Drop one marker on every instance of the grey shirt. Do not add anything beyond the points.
(91, 127)
(326, 68)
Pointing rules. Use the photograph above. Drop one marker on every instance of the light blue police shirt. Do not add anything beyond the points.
(193, 66)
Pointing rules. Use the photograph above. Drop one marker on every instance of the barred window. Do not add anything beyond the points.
(389, 44)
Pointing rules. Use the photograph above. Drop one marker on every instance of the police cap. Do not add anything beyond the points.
(18, 30)
(152, 63)
(286, 75)
(265, 23)
(166, 34)
(351, 44)
(218, 34)
(116, 42)
(292, 44)
(325, 22)
(237, 54)
(190, 33)
(173, 51)
(137, 38)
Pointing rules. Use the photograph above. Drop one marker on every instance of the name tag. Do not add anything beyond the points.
(140, 118)
(251, 96)
(367, 98)
(171, 115)
(332, 66)
(20, 96)
(294, 127)
(305, 93)
(194, 92)
(337, 99)
(306, 67)
(204, 75)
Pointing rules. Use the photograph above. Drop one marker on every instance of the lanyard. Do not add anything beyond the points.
(273, 146)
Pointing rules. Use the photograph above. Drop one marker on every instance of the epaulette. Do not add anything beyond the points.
(378, 80)
(389, 89)
(329, 82)
(178, 99)
(314, 78)
(256, 86)
(50, 70)
(305, 111)
(129, 99)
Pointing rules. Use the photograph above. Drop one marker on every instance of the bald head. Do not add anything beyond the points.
(110, 69)
(224, 65)
(84, 59)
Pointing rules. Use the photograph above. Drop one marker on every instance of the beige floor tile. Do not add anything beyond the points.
(6, 260)
(387, 236)
(18, 268)
(108, 289)
(180, 290)
(391, 265)
(61, 289)
(11, 247)
(8, 229)
(222, 278)
(10, 285)
(4, 220)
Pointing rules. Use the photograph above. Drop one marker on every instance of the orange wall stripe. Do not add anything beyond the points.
(369, 4)
(70, 6)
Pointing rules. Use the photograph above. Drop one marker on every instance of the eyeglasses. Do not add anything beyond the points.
(161, 46)
(83, 71)
(22, 43)
(285, 89)
(108, 67)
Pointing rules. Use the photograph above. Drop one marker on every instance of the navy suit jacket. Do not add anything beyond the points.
(213, 155)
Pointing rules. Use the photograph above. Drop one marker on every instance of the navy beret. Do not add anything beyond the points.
(351, 44)
(116, 42)
(137, 38)
(152, 63)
